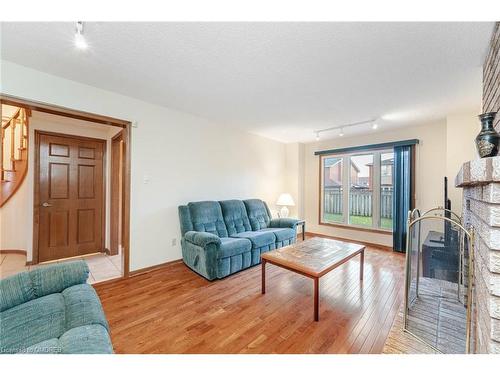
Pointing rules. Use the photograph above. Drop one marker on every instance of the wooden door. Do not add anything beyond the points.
(70, 196)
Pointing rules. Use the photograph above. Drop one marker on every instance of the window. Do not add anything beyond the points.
(333, 189)
(386, 189)
(361, 182)
(361, 190)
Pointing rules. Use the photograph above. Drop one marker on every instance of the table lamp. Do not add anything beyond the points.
(285, 200)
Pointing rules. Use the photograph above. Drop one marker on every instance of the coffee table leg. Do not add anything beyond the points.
(361, 265)
(316, 299)
(263, 276)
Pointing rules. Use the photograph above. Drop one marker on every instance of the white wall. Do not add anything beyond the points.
(185, 157)
(461, 131)
(295, 177)
(430, 170)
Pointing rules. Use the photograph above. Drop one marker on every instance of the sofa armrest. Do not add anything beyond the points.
(199, 252)
(201, 239)
(284, 223)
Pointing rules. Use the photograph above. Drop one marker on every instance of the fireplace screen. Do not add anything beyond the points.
(438, 289)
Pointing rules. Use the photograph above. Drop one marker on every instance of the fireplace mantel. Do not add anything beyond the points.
(479, 172)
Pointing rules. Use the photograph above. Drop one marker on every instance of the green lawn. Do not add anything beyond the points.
(365, 221)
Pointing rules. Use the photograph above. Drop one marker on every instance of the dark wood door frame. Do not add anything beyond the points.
(36, 189)
(115, 204)
(93, 118)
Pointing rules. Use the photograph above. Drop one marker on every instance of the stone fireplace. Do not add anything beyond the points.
(480, 180)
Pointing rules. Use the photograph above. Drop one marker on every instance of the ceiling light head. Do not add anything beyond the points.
(80, 41)
(375, 126)
(341, 134)
(317, 136)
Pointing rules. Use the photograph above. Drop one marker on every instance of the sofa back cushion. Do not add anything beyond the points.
(26, 286)
(207, 217)
(258, 213)
(57, 277)
(235, 216)
(185, 219)
(15, 290)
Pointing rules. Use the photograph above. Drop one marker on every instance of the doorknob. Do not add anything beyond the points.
(46, 204)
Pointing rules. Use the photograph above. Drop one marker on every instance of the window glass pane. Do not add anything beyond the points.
(361, 190)
(386, 189)
(332, 189)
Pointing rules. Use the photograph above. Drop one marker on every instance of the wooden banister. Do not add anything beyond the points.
(14, 116)
(15, 154)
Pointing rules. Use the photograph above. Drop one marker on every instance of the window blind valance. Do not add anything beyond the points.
(376, 146)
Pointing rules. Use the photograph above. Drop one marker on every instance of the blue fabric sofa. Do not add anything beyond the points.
(52, 310)
(221, 238)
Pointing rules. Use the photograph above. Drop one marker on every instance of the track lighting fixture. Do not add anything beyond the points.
(373, 123)
(80, 41)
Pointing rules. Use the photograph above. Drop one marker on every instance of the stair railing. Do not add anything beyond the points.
(13, 148)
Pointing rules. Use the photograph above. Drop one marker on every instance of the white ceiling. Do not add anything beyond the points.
(280, 80)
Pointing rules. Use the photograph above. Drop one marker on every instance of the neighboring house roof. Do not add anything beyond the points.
(330, 162)
(332, 184)
(354, 165)
(384, 162)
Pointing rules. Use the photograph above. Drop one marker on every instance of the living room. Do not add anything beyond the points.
(258, 166)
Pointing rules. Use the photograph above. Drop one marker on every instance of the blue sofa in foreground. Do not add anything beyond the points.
(52, 310)
(221, 238)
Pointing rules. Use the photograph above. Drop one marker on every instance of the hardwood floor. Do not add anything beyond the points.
(173, 310)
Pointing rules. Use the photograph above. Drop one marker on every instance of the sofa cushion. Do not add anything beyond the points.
(233, 246)
(258, 239)
(258, 213)
(235, 216)
(89, 339)
(15, 290)
(83, 307)
(280, 233)
(32, 322)
(207, 217)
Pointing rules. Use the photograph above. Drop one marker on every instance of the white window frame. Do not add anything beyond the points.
(346, 184)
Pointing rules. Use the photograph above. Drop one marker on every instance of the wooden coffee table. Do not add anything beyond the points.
(313, 258)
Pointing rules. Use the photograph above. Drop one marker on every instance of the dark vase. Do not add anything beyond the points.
(488, 140)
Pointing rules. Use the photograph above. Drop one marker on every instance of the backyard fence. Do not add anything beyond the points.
(360, 202)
